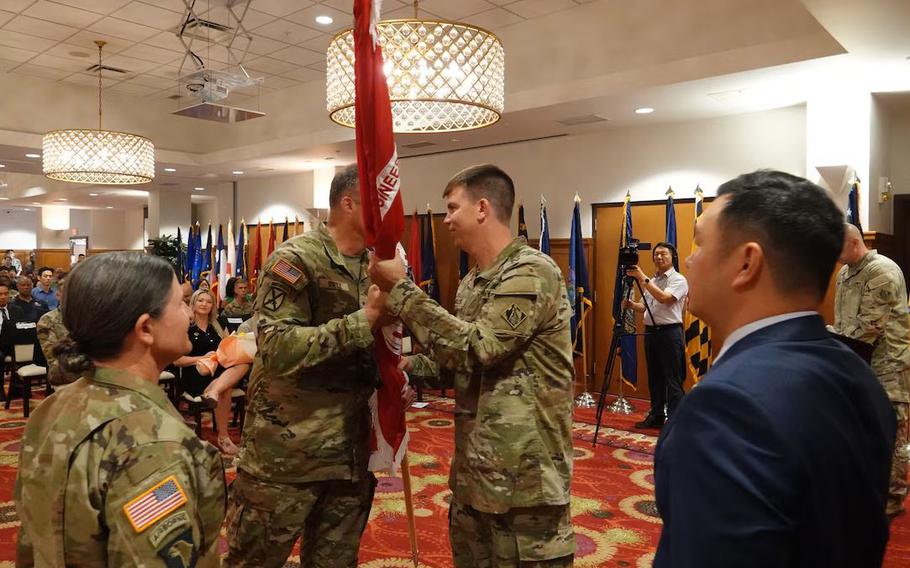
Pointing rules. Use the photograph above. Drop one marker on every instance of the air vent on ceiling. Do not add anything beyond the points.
(583, 119)
(417, 145)
(174, 97)
(107, 69)
(168, 184)
(205, 30)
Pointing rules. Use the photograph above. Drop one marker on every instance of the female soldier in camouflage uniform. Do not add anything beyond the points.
(109, 473)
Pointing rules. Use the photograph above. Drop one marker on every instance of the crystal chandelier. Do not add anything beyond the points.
(98, 156)
(442, 76)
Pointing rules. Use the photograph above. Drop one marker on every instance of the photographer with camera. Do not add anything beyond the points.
(665, 351)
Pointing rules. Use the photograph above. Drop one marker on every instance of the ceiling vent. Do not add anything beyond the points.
(107, 70)
(417, 145)
(206, 30)
(583, 119)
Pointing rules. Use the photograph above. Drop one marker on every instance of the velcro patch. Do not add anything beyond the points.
(514, 316)
(179, 552)
(147, 508)
(287, 271)
(167, 526)
(274, 298)
(330, 284)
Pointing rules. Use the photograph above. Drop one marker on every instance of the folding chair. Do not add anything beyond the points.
(26, 371)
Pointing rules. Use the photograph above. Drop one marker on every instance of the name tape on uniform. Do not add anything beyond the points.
(147, 508)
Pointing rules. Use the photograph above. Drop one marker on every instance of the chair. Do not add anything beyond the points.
(24, 368)
(195, 408)
(168, 381)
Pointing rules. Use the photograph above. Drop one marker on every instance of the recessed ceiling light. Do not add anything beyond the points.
(61, 199)
(199, 188)
(93, 194)
(644, 110)
(33, 155)
(26, 209)
(170, 170)
(2, 166)
(237, 173)
(324, 20)
(109, 207)
(4, 198)
(35, 203)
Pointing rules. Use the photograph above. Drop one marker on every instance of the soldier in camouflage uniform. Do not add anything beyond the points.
(109, 474)
(51, 331)
(869, 306)
(239, 303)
(302, 467)
(508, 352)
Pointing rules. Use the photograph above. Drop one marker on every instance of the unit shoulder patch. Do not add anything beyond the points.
(514, 316)
(274, 298)
(180, 552)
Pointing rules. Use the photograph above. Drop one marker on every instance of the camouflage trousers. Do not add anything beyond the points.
(897, 490)
(531, 537)
(265, 519)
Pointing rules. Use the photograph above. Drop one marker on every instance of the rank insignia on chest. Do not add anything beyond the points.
(514, 316)
(274, 298)
(147, 508)
(287, 271)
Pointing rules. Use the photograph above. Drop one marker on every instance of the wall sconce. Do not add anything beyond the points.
(886, 192)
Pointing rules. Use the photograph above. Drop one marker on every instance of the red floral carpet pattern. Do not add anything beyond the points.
(613, 508)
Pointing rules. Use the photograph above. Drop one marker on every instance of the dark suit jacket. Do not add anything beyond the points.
(779, 458)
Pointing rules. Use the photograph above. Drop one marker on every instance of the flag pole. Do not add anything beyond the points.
(409, 507)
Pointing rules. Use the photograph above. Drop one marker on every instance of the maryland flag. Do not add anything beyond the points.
(522, 226)
(383, 220)
(698, 336)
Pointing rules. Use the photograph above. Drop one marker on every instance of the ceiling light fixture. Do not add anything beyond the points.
(324, 20)
(442, 76)
(170, 169)
(237, 173)
(93, 194)
(98, 156)
(2, 165)
(4, 198)
(33, 155)
(199, 188)
(644, 110)
(109, 207)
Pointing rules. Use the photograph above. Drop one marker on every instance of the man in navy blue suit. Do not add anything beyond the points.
(782, 454)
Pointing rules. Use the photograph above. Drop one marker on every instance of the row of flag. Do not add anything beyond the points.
(227, 257)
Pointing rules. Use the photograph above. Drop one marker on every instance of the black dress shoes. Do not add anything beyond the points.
(651, 422)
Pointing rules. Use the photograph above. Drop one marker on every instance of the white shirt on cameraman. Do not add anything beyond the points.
(665, 314)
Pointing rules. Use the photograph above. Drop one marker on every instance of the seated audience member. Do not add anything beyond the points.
(51, 332)
(9, 274)
(187, 289)
(14, 263)
(30, 308)
(6, 322)
(782, 455)
(239, 305)
(205, 334)
(45, 291)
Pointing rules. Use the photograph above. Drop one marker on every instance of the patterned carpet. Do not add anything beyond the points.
(614, 513)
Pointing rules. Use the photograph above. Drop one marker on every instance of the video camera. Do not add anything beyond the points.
(628, 255)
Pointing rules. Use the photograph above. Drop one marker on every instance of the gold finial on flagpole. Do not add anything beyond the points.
(670, 192)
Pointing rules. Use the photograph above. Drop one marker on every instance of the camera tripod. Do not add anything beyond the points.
(621, 405)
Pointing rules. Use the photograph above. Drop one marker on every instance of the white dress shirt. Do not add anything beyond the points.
(666, 314)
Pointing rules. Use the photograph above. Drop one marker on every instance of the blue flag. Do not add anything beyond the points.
(853, 205)
(190, 255)
(579, 291)
(671, 220)
(220, 257)
(522, 226)
(544, 244)
(198, 260)
(206, 273)
(428, 279)
(180, 254)
(241, 251)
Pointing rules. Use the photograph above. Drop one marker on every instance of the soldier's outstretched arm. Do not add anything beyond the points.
(165, 506)
(288, 341)
(519, 308)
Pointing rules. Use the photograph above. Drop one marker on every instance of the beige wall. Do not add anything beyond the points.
(899, 152)
(275, 197)
(602, 166)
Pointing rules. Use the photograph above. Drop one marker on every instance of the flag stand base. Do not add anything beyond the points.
(620, 406)
(585, 400)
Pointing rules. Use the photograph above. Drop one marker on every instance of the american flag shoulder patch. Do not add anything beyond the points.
(147, 508)
(287, 271)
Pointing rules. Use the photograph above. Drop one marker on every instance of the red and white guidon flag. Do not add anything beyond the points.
(383, 218)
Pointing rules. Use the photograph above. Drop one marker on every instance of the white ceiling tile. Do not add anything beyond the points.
(298, 55)
(503, 2)
(130, 64)
(320, 44)
(39, 71)
(455, 10)
(82, 79)
(148, 15)
(6, 16)
(406, 12)
(172, 5)
(164, 72)
(281, 7)
(17, 5)
(147, 80)
(304, 74)
(97, 6)
(123, 29)
(85, 41)
(494, 19)
(535, 8)
(262, 45)
(318, 66)
(167, 40)
(288, 32)
(277, 82)
(126, 88)
(267, 65)
(6, 64)
(347, 6)
(86, 56)
(61, 14)
(16, 54)
(64, 63)
(308, 16)
(41, 28)
(254, 18)
(150, 53)
(27, 42)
